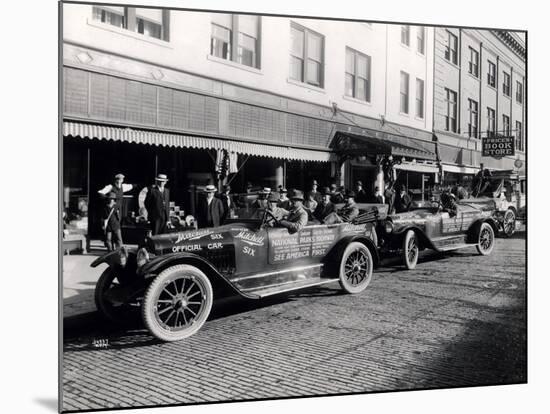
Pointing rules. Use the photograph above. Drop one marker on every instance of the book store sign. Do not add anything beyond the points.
(498, 147)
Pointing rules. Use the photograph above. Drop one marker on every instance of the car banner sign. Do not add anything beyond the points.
(498, 147)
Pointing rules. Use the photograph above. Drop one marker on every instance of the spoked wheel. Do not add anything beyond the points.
(486, 239)
(177, 303)
(509, 223)
(410, 250)
(356, 268)
(109, 298)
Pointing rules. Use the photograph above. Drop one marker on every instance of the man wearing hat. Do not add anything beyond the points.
(360, 194)
(297, 217)
(335, 195)
(157, 203)
(278, 212)
(324, 207)
(261, 201)
(211, 209)
(119, 187)
(227, 201)
(350, 209)
(402, 200)
(111, 222)
(283, 202)
(317, 195)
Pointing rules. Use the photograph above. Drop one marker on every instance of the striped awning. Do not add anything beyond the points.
(85, 130)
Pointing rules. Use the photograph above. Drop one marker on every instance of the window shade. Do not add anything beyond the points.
(224, 20)
(117, 10)
(248, 25)
(153, 15)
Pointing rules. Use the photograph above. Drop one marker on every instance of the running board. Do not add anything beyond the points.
(455, 247)
(265, 291)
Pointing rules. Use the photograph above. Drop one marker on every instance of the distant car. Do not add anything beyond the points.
(174, 278)
(437, 228)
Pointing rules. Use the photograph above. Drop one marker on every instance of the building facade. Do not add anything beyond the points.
(216, 98)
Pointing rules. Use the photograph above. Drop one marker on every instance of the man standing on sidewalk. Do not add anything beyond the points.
(111, 223)
(119, 187)
(210, 209)
(157, 203)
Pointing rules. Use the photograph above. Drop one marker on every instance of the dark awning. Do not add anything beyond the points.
(377, 142)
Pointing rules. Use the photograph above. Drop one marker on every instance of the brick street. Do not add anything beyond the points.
(456, 320)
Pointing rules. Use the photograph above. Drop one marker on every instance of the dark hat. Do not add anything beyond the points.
(161, 177)
(273, 198)
(403, 187)
(326, 191)
(283, 190)
(296, 195)
(349, 194)
(249, 185)
(227, 187)
(111, 196)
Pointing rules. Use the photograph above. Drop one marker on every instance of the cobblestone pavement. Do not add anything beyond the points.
(456, 320)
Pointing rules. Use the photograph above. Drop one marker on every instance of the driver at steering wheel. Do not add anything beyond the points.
(296, 218)
(448, 203)
(276, 212)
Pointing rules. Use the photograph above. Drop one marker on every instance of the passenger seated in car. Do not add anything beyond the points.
(402, 200)
(448, 203)
(347, 213)
(324, 207)
(297, 217)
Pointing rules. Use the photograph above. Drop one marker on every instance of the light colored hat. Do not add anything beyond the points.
(119, 176)
(266, 190)
(161, 177)
(210, 188)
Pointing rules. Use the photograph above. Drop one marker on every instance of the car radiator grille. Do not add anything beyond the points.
(223, 259)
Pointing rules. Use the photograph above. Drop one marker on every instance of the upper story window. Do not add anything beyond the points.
(419, 98)
(506, 83)
(358, 75)
(473, 121)
(451, 48)
(490, 122)
(519, 136)
(148, 22)
(306, 56)
(473, 64)
(421, 40)
(505, 125)
(406, 35)
(235, 37)
(450, 117)
(491, 74)
(404, 93)
(519, 92)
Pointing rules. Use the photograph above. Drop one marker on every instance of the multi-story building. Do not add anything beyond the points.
(479, 91)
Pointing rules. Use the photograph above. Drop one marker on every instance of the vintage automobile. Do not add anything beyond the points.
(437, 228)
(174, 278)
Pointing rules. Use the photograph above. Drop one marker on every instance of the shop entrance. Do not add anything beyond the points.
(367, 175)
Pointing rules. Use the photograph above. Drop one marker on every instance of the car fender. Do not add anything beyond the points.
(112, 258)
(221, 284)
(334, 255)
(424, 240)
(474, 227)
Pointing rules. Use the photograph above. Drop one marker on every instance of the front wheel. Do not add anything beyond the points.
(410, 250)
(356, 268)
(177, 303)
(110, 300)
(509, 223)
(485, 239)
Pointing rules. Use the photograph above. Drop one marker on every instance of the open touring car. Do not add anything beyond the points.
(175, 277)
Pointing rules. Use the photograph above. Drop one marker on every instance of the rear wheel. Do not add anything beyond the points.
(485, 239)
(177, 303)
(509, 223)
(410, 250)
(356, 268)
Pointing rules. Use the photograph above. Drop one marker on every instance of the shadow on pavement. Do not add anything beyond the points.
(48, 403)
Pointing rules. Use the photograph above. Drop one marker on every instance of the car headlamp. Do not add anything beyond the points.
(142, 257)
(388, 226)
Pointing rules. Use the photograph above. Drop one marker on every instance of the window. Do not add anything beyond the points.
(404, 101)
(419, 98)
(473, 64)
(148, 22)
(420, 39)
(451, 48)
(490, 122)
(306, 56)
(450, 117)
(235, 37)
(472, 124)
(491, 74)
(519, 136)
(358, 75)
(506, 83)
(519, 92)
(406, 35)
(505, 125)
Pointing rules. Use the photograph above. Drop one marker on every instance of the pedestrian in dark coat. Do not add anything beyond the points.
(317, 195)
(157, 203)
(402, 201)
(210, 209)
(227, 201)
(360, 193)
(111, 223)
(389, 197)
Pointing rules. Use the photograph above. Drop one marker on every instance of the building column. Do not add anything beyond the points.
(279, 173)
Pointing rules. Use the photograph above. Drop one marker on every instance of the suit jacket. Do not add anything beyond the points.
(402, 204)
(322, 211)
(295, 220)
(157, 203)
(227, 203)
(348, 212)
(210, 215)
(317, 196)
(361, 196)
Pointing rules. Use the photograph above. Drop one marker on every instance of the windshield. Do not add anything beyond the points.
(246, 214)
(492, 187)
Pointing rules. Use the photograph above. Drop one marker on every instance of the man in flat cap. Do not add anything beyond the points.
(119, 187)
(111, 223)
(297, 217)
(210, 209)
(157, 203)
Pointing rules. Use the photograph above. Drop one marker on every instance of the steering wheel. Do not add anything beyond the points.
(270, 218)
